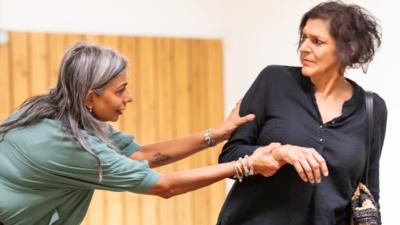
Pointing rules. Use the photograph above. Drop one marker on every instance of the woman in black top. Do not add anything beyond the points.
(312, 111)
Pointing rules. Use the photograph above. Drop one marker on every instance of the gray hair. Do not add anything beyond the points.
(84, 67)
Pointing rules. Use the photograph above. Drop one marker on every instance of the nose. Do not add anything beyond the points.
(129, 97)
(304, 47)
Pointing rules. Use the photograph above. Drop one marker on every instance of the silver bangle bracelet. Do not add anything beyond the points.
(208, 138)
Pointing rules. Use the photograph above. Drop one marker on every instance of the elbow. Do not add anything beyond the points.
(166, 195)
(164, 189)
(168, 192)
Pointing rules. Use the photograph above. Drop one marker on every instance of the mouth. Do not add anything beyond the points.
(306, 62)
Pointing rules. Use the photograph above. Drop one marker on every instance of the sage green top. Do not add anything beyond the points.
(46, 178)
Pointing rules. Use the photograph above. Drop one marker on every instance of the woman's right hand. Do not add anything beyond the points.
(309, 164)
(263, 162)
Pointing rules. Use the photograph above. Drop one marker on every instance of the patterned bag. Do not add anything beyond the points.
(365, 210)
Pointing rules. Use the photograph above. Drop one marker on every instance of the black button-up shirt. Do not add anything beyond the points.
(286, 112)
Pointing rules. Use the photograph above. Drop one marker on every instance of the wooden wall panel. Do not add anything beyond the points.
(113, 200)
(5, 82)
(56, 46)
(214, 115)
(182, 91)
(177, 87)
(131, 202)
(19, 52)
(147, 93)
(198, 120)
(38, 61)
(165, 115)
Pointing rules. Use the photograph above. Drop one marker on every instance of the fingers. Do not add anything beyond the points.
(297, 166)
(263, 162)
(308, 163)
(247, 118)
(321, 162)
(312, 170)
(239, 102)
(237, 106)
(236, 118)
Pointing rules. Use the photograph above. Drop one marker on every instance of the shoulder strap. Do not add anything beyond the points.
(369, 104)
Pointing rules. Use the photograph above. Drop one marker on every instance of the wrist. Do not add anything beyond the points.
(278, 153)
(209, 137)
(218, 134)
(254, 163)
(243, 168)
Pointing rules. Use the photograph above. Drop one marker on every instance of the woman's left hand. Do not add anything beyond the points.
(233, 121)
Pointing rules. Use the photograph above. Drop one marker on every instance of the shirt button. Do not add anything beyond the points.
(321, 126)
(321, 140)
(333, 122)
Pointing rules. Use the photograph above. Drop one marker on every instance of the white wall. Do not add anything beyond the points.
(256, 33)
(144, 17)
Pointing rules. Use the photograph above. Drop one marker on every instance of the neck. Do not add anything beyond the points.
(331, 85)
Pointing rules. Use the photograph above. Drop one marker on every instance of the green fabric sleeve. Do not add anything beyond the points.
(123, 141)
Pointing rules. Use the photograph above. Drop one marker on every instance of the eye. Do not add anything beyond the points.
(317, 41)
(302, 38)
(119, 92)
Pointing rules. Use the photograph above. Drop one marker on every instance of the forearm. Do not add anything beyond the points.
(181, 182)
(166, 152)
(232, 152)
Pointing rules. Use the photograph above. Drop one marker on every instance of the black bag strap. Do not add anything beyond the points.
(369, 104)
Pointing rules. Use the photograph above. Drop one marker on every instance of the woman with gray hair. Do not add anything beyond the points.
(57, 148)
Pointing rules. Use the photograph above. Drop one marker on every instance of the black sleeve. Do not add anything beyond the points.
(380, 117)
(243, 140)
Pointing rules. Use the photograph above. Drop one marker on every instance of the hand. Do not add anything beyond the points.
(309, 164)
(232, 122)
(263, 162)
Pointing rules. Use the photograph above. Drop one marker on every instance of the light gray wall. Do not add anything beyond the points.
(256, 33)
(144, 17)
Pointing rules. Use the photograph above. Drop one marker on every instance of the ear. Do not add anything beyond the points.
(90, 99)
(352, 46)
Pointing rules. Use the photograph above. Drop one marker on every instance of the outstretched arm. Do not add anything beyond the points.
(181, 182)
(166, 152)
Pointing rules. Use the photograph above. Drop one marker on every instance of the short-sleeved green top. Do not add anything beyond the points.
(47, 178)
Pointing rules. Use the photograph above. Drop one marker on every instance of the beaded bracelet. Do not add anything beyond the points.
(250, 165)
(238, 170)
(243, 168)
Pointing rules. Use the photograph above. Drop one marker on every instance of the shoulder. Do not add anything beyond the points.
(280, 72)
(380, 109)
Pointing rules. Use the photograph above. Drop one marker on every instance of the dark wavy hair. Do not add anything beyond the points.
(355, 30)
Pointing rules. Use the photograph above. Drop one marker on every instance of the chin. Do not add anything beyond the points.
(305, 71)
(115, 119)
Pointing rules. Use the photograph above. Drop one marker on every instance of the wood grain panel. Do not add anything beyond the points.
(20, 85)
(147, 93)
(181, 73)
(177, 87)
(5, 82)
(39, 63)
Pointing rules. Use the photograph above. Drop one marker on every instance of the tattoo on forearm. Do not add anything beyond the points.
(160, 158)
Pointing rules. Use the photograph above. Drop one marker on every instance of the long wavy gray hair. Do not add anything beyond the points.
(84, 67)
